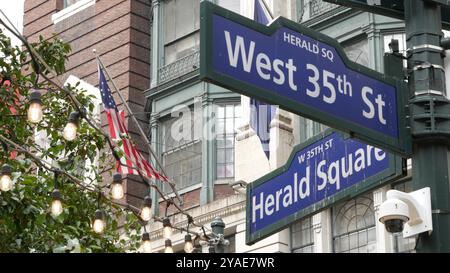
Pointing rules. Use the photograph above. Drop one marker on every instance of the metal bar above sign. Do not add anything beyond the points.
(392, 8)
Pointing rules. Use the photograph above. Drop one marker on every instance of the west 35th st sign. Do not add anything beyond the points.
(304, 72)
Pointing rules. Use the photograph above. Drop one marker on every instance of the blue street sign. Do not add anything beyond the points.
(319, 173)
(304, 72)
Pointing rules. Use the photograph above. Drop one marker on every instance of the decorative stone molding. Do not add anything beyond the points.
(154, 117)
(244, 132)
(317, 223)
(283, 123)
(378, 198)
(205, 99)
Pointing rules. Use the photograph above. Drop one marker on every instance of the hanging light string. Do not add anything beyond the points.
(101, 194)
(84, 115)
(49, 167)
(83, 185)
(80, 108)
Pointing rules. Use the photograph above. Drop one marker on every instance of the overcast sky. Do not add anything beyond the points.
(14, 10)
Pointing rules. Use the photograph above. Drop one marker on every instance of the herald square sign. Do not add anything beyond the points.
(304, 72)
(327, 169)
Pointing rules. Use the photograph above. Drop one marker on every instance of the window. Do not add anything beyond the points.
(72, 7)
(233, 5)
(302, 236)
(309, 128)
(309, 9)
(182, 151)
(227, 121)
(358, 52)
(181, 25)
(354, 226)
(70, 2)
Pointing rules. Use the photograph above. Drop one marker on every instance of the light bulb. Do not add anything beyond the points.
(35, 109)
(56, 208)
(99, 224)
(168, 248)
(6, 183)
(188, 246)
(146, 214)
(167, 228)
(35, 112)
(117, 191)
(146, 245)
(167, 232)
(70, 131)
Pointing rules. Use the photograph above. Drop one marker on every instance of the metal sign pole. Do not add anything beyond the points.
(430, 117)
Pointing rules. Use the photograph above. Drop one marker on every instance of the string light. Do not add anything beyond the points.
(35, 109)
(117, 191)
(6, 183)
(70, 131)
(168, 246)
(99, 222)
(167, 228)
(56, 207)
(146, 211)
(146, 245)
(188, 246)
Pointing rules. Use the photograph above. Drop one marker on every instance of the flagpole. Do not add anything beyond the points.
(141, 131)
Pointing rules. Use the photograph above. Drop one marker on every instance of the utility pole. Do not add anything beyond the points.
(430, 117)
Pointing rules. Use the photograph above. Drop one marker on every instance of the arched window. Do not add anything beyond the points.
(354, 226)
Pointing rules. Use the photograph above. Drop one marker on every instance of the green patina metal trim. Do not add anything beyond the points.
(392, 8)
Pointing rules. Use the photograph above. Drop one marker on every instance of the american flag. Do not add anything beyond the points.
(261, 114)
(132, 162)
(6, 83)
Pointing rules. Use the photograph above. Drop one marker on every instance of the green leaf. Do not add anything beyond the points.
(25, 222)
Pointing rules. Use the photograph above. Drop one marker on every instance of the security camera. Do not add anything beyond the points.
(409, 213)
(239, 186)
(393, 214)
